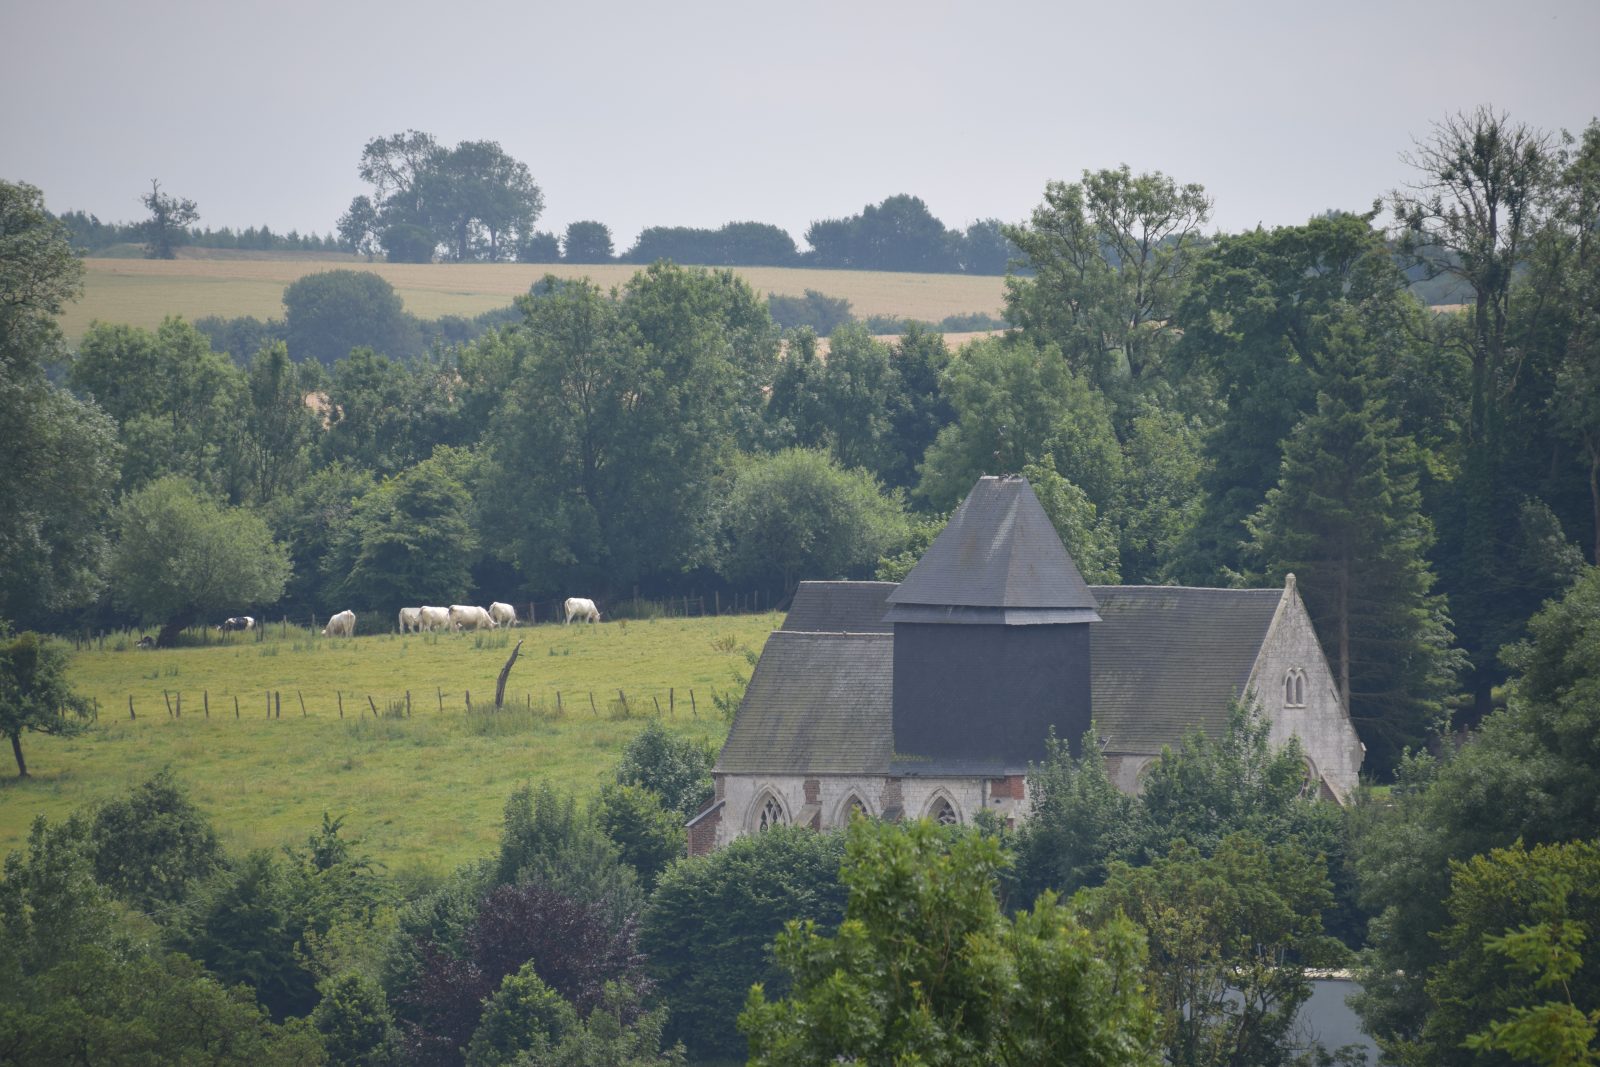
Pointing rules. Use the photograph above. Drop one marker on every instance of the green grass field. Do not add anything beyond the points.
(141, 292)
(423, 792)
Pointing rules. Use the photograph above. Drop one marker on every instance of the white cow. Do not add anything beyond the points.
(410, 619)
(503, 614)
(341, 625)
(581, 608)
(239, 622)
(469, 617)
(431, 619)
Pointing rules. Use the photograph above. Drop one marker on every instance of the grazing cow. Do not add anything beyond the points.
(469, 617)
(431, 619)
(147, 641)
(581, 608)
(503, 614)
(341, 625)
(239, 622)
(410, 619)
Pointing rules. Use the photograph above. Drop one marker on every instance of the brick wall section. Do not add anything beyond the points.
(1011, 787)
(813, 790)
(703, 834)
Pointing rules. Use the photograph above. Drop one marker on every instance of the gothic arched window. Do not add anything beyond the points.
(943, 812)
(770, 813)
(1294, 688)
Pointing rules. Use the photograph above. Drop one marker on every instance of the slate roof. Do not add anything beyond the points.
(817, 703)
(1163, 659)
(999, 560)
(840, 607)
(1166, 658)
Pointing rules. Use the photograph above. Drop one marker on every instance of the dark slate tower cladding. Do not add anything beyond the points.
(991, 640)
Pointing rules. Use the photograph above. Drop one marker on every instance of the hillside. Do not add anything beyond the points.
(141, 292)
(423, 792)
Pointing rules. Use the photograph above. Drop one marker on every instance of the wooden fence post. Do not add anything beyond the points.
(469, 700)
(672, 702)
(236, 705)
(269, 703)
(441, 699)
(340, 694)
(179, 713)
(716, 600)
(657, 702)
(168, 699)
(408, 703)
(372, 705)
(205, 695)
(500, 683)
(131, 716)
(277, 700)
(591, 703)
(558, 701)
(693, 710)
(302, 697)
(624, 698)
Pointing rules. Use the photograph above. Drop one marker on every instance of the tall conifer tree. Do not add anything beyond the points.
(1346, 518)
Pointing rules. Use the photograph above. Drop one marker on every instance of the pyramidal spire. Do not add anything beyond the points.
(999, 560)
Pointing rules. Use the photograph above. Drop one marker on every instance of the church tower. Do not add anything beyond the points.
(991, 640)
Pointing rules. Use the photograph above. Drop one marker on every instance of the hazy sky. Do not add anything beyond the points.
(700, 113)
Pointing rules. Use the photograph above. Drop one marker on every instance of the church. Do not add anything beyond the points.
(932, 697)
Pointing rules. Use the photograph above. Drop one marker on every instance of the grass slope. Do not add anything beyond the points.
(141, 292)
(424, 792)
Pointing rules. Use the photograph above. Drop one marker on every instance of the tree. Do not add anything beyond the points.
(279, 425)
(1089, 538)
(1529, 772)
(176, 401)
(1519, 918)
(312, 523)
(676, 769)
(985, 248)
(180, 556)
(168, 224)
(1230, 938)
(1481, 194)
(412, 537)
(353, 1017)
(821, 312)
(1109, 257)
(152, 846)
(334, 311)
(603, 452)
(586, 242)
(926, 969)
(523, 1017)
(898, 234)
(58, 456)
(1346, 519)
(1080, 823)
(34, 692)
(473, 200)
(548, 840)
(708, 930)
(1014, 402)
(648, 835)
(798, 515)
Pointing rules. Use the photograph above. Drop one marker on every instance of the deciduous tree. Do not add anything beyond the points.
(168, 224)
(34, 693)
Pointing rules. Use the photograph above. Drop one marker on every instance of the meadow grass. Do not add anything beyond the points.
(141, 292)
(423, 792)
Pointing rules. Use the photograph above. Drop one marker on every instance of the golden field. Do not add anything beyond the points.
(141, 292)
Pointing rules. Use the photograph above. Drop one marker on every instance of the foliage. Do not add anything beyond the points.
(1346, 519)
(355, 1023)
(1528, 773)
(798, 515)
(923, 532)
(1109, 257)
(676, 769)
(1088, 537)
(279, 427)
(523, 1016)
(58, 456)
(331, 312)
(586, 241)
(1518, 918)
(473, 201)
(570, 946)
(174, 399)
(897, 234)
(708, 930)
(602, 454)
(1230, 936)
(153, 845)
(35, 695)
(168, 224)
(926, 969)
(181, 557)
(1014, 402)
(617, 1033)
(548, 840)
(648, 835)
(75, 989)
(734, 244)
(819, 311)
(1080, 822)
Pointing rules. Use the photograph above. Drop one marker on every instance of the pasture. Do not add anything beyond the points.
(422, 792)
(141, 292)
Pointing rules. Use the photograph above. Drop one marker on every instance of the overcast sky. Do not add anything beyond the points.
(701, 113)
